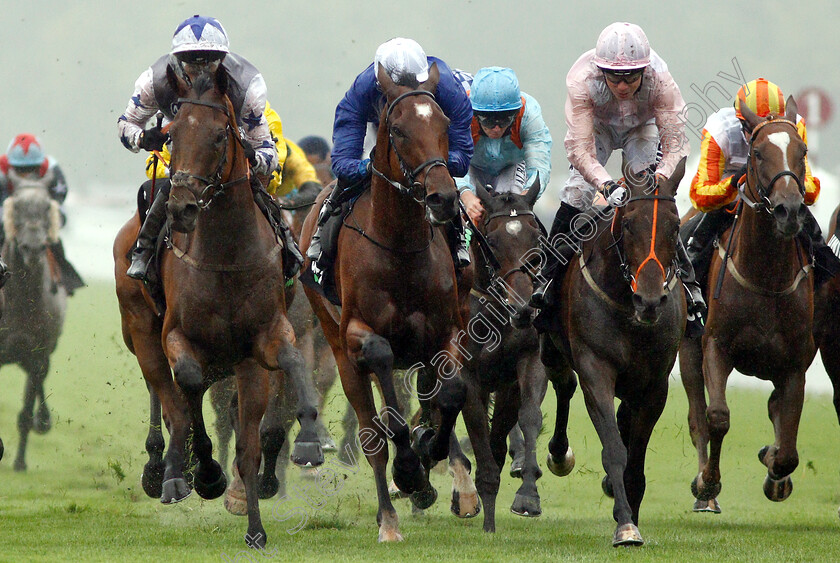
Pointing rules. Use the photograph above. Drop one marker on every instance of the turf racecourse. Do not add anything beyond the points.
(81, 501)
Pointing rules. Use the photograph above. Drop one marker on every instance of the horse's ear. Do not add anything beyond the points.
(430, 85)
(626, 170)
(176, 82)
(750, 118)
(222, 80)
(484, 196)
(533, 192)
(673, 182)
(791, 109)
(385, 82)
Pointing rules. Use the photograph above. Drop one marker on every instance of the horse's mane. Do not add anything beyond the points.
(407, 79)
(205, 82)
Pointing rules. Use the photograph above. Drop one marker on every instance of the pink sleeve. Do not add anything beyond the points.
(668, 104)
(580, 138)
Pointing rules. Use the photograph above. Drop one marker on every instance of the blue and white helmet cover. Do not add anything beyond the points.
(200, 33)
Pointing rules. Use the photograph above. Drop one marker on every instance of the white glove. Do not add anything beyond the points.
(618, 197)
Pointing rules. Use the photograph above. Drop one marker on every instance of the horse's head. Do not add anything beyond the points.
(650, 224)
(414, 128)
(205, 146)
(32, 220)
(776, 169)
(512, 231)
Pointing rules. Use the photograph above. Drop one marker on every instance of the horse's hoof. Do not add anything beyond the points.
(308, 454)
(627, 534)
(328, 445)
(152, 478)
(268, 485)
(42, 423)
(19, 465)
(211, 483)
(465, 506)
(762, 453)
(516, 468)
(235, 501)
(529, 507)
(409, 475)
(778, 490)
(175, 490)
(389, 535)
(425, 498)
(561, 467)
(394, 492)
(704, 491)
(421, 438)
(606, 486)
(706, 506)
(256, 539)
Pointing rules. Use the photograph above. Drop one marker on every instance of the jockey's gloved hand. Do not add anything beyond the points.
(250, 153)
(364, 168)
(154, 138)
(615, 194)
(737, 176)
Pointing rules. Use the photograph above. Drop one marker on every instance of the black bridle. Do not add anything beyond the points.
(764, 203)
(412, 186)
(213, 186)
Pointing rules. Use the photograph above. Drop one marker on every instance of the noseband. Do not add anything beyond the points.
(213, 186)
(764, 203)
(414, 186)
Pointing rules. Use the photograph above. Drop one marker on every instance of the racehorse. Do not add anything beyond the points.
(34, 302)
(398, 289)
(225, 305)
(761, 323)
(622, 314)
(502, 355)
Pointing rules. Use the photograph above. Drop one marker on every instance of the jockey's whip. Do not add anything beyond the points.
(722, 272)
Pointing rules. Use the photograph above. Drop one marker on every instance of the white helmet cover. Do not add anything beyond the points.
(622, 46)
(200, 33)
(400, 57)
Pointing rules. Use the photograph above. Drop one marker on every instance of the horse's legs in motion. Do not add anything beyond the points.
(516, 450)
(464, 502)
(561, 459)
(42, 422)
(642, 418)
(830, 354)
(307, 450)
(691, 370)
(273, 435)
(349, 425)
(152, 478)
(221, 395)
(598, 384)
(36, 370)
(532, 388)
(487, 470)
(210, 481)
(287, 420)
(784, 409)
(716, 370)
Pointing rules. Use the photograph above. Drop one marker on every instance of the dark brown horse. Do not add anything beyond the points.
(223, 282)
(35, 304)
(623, 315)
(761, 323)
(396, 281)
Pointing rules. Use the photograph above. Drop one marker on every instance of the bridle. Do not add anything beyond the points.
(213, 186)
(412, 186)
(764, 203)
(669, 273)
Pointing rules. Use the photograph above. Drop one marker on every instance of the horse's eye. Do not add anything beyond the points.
(398, 133)
(221, 137)
(758, 155)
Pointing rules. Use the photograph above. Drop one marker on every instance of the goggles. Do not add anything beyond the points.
(496, 119)
(616, 77)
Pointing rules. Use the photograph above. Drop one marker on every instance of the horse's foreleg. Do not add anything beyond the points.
(643, 418)
(221, 395)
(252, 390)
(42, 423)
(561, 459)
(273, 435)
(830, 354)
(307, 452)
(26, 414)
(152, 478)
(464, 500)
(532, 387)
(781, 459)
(487, 471)
(716, 369)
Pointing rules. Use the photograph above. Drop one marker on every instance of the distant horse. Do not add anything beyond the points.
(502, 355)
(35, 302)
(396, 281)
(223, 283)
(762, 322)
(623, 314)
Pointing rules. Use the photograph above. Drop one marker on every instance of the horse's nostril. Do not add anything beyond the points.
(780, 212)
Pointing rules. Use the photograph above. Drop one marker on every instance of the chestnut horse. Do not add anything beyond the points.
(762, 322)
(622, 316)
(399, 294)
(223, 282)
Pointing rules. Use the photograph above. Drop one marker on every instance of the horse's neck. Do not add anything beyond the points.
(228, 226)
(604, 264)
(29, 280)
(396, 219)
(759, 252)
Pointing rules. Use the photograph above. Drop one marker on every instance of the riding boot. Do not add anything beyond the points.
(696, 305)
(292, 258)
(552, 266)
(709, 226)
(456, 233)
(321, 254)
(148, 235)
(70, 278)
(826, 262)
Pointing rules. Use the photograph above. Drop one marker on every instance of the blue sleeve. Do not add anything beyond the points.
(456, 105)
(352, 115)
(536, 141)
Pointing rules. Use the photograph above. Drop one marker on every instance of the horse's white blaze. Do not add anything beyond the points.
(424, 111)
(192, 120)
(513, 227)
(781, 140)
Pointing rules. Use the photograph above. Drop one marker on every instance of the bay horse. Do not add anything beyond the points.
(622, 313)
(502, 355)
(224, 288)
(400, 301)
(761, 323)
(35, 303)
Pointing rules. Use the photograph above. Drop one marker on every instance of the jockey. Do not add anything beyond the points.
(406, 63)
(512, 142)
(620, 96)
(317, 151)
(724, 152)
(296, 182)
(26, 164)
(201, 44)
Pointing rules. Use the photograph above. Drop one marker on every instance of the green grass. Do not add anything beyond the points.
(81, 500)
